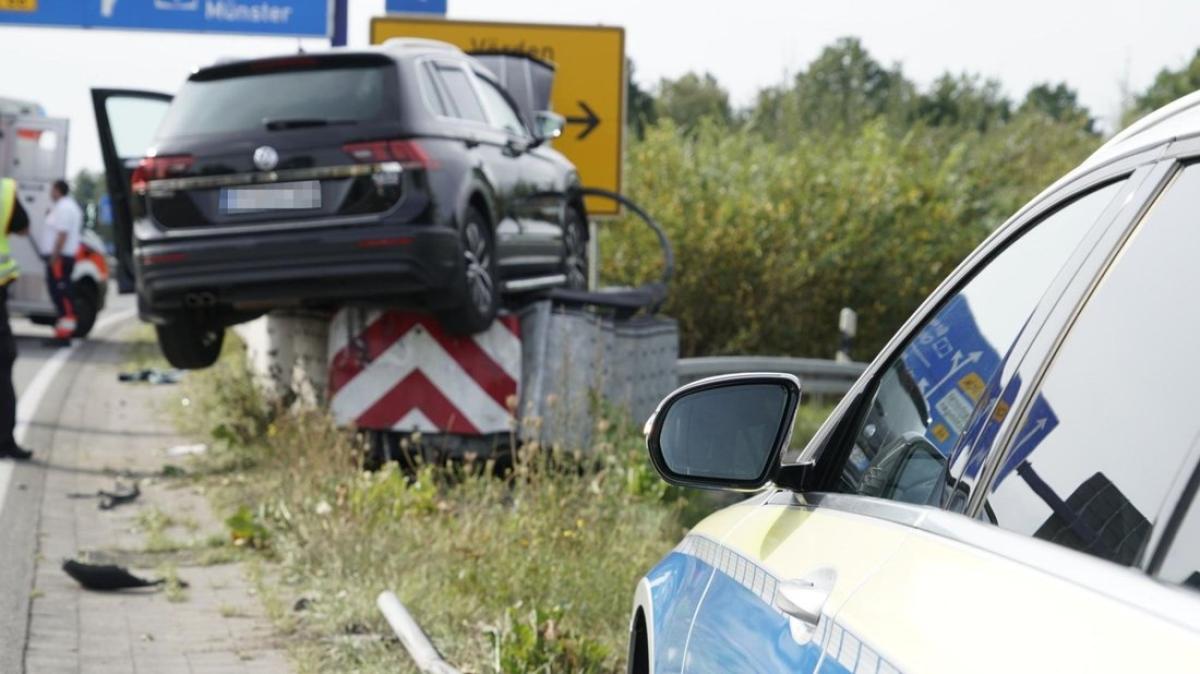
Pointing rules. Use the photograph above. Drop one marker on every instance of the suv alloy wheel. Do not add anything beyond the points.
(480, 290)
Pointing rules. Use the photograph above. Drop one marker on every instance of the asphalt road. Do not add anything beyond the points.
(42, 376)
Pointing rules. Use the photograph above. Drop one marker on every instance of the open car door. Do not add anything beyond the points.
(126, 120)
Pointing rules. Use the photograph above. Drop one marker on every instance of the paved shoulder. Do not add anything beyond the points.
(103, 431)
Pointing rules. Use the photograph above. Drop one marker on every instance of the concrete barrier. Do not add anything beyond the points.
(286, 352)
(571, 360)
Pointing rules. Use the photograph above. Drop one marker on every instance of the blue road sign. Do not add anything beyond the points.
(951, 363)
(264, 17)
(105, 215)
(1039, 421)
(417, 6)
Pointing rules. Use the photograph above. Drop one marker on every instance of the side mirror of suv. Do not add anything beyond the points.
(724, 432)
(547, 125)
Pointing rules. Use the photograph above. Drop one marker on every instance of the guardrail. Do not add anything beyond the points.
(817, 376)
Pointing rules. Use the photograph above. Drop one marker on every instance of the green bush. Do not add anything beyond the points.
(773, 236)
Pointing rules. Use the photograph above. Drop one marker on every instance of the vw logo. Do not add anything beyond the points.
(266, 158)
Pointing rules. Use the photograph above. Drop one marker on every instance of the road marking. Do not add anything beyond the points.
(31, 398)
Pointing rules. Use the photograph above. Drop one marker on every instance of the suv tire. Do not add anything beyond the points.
(190, 344)
(479, 286)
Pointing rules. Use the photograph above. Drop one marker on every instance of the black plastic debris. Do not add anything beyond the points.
(152, 375)
(108, 577)
(111, 499)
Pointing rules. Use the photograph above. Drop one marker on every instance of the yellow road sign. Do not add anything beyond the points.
(589, 82)
(18, 5)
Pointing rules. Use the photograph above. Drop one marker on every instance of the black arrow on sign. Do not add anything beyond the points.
(589, 120)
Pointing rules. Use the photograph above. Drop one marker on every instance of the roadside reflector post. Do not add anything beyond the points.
(847, 328)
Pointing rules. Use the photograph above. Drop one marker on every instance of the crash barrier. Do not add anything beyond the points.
(395, 370)
(539, 373)
(286, 353)
(818, 378)
(577, 360)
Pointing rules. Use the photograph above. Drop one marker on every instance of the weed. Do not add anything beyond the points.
(533, 641)
(173, 588)
(245, 528)
(230, 611)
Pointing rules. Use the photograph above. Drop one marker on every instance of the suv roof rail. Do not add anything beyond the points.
(418, 43)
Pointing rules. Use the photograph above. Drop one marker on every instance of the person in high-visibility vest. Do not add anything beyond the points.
(13, 220)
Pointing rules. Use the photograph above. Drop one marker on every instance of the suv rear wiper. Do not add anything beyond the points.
(301, 122)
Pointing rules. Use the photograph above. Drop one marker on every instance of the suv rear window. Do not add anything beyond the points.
(245, 97)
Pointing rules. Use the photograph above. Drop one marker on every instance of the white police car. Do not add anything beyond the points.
(1010, 487)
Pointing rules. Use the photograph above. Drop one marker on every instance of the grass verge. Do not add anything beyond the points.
(528, 571)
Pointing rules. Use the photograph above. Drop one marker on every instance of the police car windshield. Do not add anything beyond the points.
(245, 98)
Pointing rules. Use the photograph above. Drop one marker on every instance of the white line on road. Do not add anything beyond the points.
(31, 398)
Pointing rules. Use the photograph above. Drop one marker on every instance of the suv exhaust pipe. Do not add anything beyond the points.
(200, 300)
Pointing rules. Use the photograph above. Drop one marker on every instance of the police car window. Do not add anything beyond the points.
(1115, 414)
(462, 94)
(926, 397)
(503, 114)
(1181, 564)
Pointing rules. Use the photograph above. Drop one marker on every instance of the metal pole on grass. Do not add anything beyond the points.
(411, 635)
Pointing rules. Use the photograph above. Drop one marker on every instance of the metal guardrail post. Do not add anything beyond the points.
(818, 377)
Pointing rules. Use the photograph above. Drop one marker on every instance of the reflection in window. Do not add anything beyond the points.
(927, 397)
(1181, 565)
(1115, 414)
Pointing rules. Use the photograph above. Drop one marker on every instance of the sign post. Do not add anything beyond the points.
(417, 6)
(589, 83)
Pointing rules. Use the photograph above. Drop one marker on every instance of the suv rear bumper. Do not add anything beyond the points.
(247, 273)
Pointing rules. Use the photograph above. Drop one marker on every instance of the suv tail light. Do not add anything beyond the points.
(408, 153)
(157, 168)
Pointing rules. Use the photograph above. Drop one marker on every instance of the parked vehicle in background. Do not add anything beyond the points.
(402, 174)
(1010, 486)
(33, 150)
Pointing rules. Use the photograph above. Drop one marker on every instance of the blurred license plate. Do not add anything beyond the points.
(301, 195)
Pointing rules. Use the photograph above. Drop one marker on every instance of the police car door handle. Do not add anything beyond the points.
(804, 598)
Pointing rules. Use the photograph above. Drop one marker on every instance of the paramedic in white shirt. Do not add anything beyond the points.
(59, 243)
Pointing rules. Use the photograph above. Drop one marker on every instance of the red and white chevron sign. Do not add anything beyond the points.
(393, 370)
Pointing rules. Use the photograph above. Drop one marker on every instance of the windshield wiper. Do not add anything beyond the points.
(302, 122)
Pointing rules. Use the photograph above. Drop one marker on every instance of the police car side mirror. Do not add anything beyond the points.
(724, 432)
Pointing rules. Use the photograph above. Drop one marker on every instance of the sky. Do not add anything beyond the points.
(1096, 46)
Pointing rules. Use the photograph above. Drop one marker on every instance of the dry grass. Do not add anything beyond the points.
(531, 570)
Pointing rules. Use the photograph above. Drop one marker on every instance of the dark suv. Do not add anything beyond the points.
(403, 174)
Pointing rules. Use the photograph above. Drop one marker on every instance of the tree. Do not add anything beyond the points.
(640, 104)
(693, 97)
(963, 101)
(843, 89)
(1168, 85)
(88, 187)
(1060, 103)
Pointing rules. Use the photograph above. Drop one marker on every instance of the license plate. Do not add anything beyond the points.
(295, 196)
